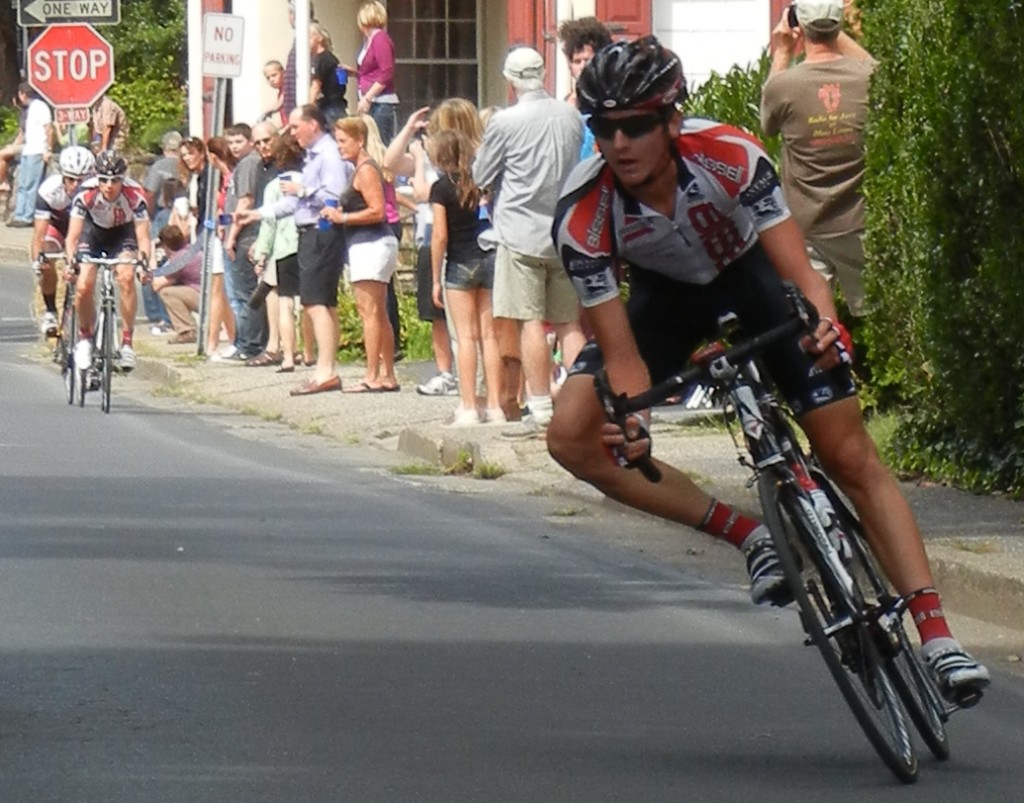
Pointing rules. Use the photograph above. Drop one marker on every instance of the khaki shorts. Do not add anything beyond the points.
(841, 259)
(528, 288)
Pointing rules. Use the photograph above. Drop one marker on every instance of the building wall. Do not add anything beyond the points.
(713, 35)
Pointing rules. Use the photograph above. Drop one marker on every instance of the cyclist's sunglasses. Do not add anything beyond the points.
(631, 127)
(111, 179)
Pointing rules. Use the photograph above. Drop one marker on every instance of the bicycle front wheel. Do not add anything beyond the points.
(107, 370)
(920, 695)
(841, 634)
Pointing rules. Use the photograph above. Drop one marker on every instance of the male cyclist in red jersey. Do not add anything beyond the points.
(695, 209)
(50, 225)
(108, 219)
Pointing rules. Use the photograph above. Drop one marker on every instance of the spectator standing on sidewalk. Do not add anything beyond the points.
(250, 323)
(324, 89)
(581, 39)
(462, 267)
(273, 71)
(375, 68)
(325, 176)
(109, 126)
(264, 139)
(372, 253)
(527, 151)
(820, 107)
(159, 199)
(221, 317)
(36, 140)
(278, 243)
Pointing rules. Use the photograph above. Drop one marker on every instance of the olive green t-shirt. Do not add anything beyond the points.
(821, 111)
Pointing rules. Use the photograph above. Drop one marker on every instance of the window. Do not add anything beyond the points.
(435, 51)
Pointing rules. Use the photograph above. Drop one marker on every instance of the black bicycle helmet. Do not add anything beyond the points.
(110, 163)
(631, 75)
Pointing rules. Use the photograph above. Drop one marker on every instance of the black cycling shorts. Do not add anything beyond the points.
(99, 242)
(670, 319)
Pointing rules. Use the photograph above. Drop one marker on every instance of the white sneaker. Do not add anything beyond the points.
(526, 429)
(127, 358)
(48, 325)
(228, 354)
(443, 384)
(463, 418)
(83, 354)
(494, 416)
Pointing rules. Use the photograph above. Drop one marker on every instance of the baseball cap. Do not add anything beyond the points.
(824, 16)
(524, 63)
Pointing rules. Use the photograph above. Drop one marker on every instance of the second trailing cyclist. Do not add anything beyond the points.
(50, 226)
(108, 219)
(695, 208)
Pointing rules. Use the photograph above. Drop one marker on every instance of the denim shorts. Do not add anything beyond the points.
(470, 274)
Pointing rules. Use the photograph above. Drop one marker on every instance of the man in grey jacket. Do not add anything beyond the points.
(528, 150)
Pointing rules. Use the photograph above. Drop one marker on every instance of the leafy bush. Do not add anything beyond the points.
(944, 178)
(735, 98)
(8, 124)
(415, 334)
(149, 60)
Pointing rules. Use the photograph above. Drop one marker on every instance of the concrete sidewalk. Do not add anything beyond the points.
(976, 543)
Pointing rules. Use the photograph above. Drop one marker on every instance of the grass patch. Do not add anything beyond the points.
(569, 512)
(976, 547)
(416, 470)
(488, 471)
(461, 465)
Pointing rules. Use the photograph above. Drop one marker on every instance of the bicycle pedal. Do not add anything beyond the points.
(967, 698)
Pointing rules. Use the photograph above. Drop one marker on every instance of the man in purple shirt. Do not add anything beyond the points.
(177, 282)
(325, 176)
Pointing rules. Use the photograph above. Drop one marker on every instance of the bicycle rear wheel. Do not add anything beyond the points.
(920, 696)
(843, 636)
(107, 352)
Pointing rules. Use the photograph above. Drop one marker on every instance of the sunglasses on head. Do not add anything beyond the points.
(631, 127)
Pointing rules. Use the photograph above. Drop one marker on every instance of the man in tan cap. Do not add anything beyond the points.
(528, 150)
(820, 107)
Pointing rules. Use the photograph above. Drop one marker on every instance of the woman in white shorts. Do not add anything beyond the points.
(372, 254)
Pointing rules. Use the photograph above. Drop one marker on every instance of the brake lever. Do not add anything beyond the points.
(614, 406)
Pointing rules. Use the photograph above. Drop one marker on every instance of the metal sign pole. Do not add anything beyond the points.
(209, 224)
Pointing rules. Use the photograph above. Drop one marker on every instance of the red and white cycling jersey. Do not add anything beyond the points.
(128, 207)
(728, 191)
(53, 203)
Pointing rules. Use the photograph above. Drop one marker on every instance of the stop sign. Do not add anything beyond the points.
(70, 65)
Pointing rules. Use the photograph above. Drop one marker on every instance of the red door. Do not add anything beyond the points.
(534, 23)
(627, 19)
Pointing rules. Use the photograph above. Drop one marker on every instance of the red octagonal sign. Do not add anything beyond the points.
(70, 65)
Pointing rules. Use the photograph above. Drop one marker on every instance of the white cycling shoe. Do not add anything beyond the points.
(83, 354)
(961, 679)
(126, 359)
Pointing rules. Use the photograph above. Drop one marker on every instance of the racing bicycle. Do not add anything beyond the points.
(99, 375)
(848, 609)
(67, 325)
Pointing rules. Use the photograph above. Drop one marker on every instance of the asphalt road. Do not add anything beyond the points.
(203, 608)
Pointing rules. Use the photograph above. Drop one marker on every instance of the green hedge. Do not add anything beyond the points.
(944, 280)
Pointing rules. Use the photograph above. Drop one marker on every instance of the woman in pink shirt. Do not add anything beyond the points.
(376, 70)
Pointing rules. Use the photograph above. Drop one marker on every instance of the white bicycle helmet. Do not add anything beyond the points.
(76, 162)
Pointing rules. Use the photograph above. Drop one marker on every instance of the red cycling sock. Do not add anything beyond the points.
(721, 521)
(126, 338)
(926, 608)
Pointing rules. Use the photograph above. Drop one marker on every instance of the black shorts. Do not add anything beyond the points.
(320, 261)
(288, 276)
(99, 242)
(671, 318)
(425, 287)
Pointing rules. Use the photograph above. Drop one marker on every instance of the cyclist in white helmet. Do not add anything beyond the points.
(50, 225)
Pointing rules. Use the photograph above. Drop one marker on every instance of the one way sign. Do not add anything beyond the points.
(48, 12)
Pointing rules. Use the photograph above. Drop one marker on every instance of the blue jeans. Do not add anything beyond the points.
(250, 324)
(30, 174)
(385, 116)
